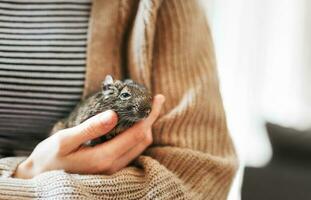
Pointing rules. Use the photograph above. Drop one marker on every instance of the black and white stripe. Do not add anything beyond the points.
(42, 67)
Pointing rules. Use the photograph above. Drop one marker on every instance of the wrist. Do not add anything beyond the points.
(25, 170)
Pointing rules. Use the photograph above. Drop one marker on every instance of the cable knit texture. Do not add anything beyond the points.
(166, 45)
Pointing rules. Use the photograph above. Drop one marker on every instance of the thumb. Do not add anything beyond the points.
(92, 128)
(157, 104)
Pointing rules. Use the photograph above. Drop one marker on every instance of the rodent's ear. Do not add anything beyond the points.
(128, 81)
(108, 88)
(108, 80)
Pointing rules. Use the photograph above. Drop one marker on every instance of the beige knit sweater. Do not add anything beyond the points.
(166, 45)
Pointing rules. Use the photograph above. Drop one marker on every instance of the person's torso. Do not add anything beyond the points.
(42, 67)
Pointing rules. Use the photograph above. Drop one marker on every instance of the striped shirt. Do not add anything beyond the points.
(42, 67)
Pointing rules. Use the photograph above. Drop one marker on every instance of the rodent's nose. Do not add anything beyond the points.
(145, 112)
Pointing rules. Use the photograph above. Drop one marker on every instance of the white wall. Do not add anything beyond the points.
(286, 92)
(263, 55)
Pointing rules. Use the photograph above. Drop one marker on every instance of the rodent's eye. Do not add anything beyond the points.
(125, 95)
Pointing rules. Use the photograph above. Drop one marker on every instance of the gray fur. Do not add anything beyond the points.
(130, 100)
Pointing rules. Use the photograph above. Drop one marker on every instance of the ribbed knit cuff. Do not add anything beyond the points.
(9, 165)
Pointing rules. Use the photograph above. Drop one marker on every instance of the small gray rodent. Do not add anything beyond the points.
(130, 100)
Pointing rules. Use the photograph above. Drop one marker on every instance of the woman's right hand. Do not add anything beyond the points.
(64, 150)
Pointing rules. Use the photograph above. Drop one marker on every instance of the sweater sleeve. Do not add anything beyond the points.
(192, 156)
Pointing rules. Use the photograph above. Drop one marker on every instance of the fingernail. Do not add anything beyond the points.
(107, 117)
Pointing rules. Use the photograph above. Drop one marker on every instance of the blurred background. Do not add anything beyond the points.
(264, 62)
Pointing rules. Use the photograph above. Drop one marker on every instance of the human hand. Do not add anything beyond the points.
(64, 149)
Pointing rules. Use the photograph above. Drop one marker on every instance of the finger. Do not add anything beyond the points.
(120, 144)
(158, 101)
(130, 155)
(134, 135)
(92, 128)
